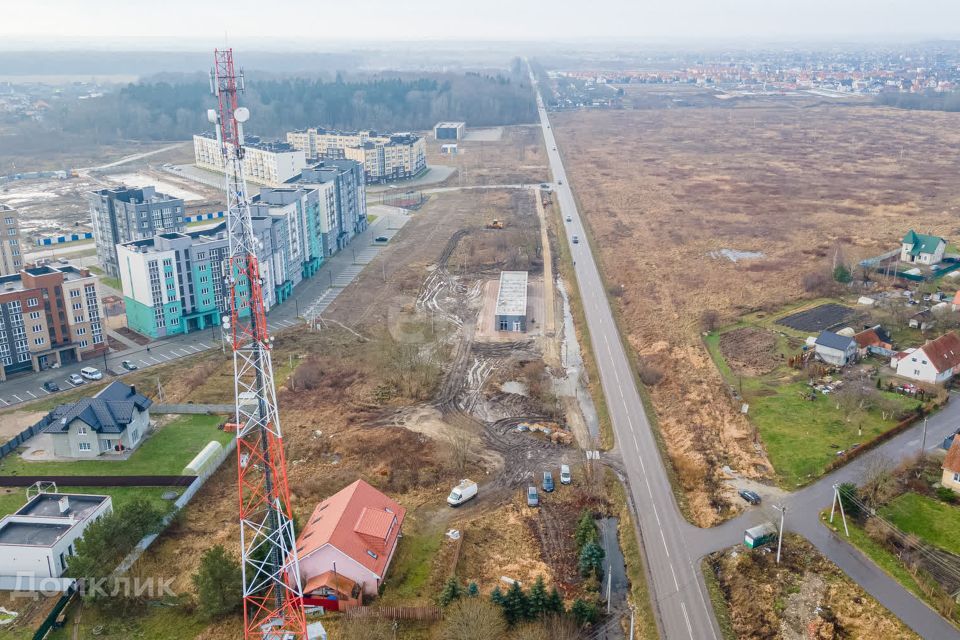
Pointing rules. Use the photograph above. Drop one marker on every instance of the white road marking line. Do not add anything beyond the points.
(145, 363)
(203, 345)
(665, 548)
(676, 582)
(687, 618)
(31, 393)
(164, 356)
(19, 399)
(155, 361)
(7, 404)
(44, 390)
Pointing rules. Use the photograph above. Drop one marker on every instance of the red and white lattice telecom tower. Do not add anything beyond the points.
(272, 604)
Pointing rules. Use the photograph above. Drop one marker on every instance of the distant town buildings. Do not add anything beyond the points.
(450, 131)
(122, 215)
(173, 282)
(10, 258)
(384, 157)
(269, 163)
(49, 315)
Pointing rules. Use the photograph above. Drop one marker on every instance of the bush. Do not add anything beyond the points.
(710, 320)
(473, 619)
(946, 495)
(591, 560)
(649, 374)
(842, 274)
(817, 283)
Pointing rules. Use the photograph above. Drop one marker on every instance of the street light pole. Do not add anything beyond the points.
(923, 438)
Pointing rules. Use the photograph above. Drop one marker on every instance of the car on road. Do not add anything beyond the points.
(381, 239)
(51, 386)
(750, 496)
(75, 379)
(576, 239)
(91, 373)
(129, 366)
(547, 481)
(544, 185)
(565, 477)
(533, 498)
(559, 181)
(554, 148)
(569, 219)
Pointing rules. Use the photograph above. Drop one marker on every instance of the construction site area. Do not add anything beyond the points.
(409, 383)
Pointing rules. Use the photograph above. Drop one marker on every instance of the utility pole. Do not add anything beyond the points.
(609, 585)
(923, 438)
(783, 512)
(159, 390)
(833, 507)
(631, 623)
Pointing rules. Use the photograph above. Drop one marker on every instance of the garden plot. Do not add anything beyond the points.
(819, 318)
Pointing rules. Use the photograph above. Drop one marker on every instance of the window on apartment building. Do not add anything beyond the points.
(8, 361)
(97, 339)
(77, 306)
(174, 320)
(11, 232)
(74, 293)
(23, 357)
(201, 255)
(38, 341)
(15, 251)
(81, 331)
(37, 328)
(34, 315)
(81, 430)
(83, 446)
(13, 242)
(83, 343)
(78, 318)
(8, 220)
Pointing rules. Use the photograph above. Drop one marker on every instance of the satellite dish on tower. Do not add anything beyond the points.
(242, 114)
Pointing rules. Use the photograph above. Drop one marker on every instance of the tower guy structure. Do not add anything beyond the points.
(272, 594)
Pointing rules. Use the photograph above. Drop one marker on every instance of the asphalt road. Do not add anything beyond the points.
(680, 598)
(673, 547)
(337, 271)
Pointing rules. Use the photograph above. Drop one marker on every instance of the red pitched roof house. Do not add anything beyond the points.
(870, 338)
(934, 362)
(348, 543)
(951, 467)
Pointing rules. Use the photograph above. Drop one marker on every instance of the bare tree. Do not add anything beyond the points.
(460, 444)
(473, 619)
(552, 627)
(710, 320)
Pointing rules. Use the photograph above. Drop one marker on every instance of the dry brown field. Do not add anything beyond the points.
(797, 180)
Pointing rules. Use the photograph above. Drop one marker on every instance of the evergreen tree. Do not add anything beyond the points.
(497, 597)
(591, 560)
(217, 582)
(555, 601)
(451, 591)
(583, 612)
(586, 529)
(537, 600)
(473, 590)
(842, 274)
(515, 604)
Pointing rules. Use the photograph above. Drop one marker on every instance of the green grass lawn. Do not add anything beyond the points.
(154, 622)
(410, 569)
(12, 499)
(934, 522)
(803, 436)
(798, 433)
(166, 452)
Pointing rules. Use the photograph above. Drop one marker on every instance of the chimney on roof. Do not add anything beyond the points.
(133, 389)
(64, 504)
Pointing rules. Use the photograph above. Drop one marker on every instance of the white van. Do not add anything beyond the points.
(91, 373)
(463, 492)
(565, 477)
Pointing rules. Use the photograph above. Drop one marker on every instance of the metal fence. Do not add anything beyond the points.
(51, 618)
(227, 409)
(11, 445)
(99, 481)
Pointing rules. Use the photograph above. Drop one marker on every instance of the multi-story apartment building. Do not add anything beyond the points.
(265, 163)
(49, 315)
(394, 158)
(10, 258)
(124, 215)
(296, 235)
(344, 182)
(384, 157)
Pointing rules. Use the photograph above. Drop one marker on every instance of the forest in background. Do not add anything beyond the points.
(173, 106)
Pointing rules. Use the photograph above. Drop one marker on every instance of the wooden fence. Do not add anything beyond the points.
(396, 613)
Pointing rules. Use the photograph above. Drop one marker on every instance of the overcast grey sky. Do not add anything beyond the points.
(55, 23)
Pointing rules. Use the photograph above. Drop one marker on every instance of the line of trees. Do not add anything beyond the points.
(172, 110)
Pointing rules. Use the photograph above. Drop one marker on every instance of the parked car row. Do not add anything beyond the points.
(533, 496)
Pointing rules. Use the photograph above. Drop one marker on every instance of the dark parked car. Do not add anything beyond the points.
(51, 386)
(750, 496)
(129, 366)
(547, 481)
(381, 239)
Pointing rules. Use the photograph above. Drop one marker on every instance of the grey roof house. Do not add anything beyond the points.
(114, 420)
(835, 349)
